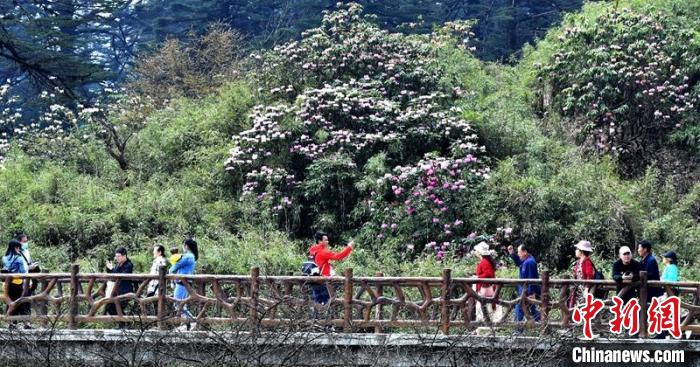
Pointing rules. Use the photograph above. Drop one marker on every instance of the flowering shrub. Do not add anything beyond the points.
(348, 92)
(424, 204)
(626, 80)
(43, 132)
(58, 131)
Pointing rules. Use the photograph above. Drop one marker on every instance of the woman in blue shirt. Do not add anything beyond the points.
(185, 266)
(670, 273)
(14, 262)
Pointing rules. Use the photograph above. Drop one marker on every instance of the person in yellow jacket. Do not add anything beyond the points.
(175, 256)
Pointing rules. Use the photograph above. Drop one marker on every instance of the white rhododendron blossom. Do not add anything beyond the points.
(48, 132)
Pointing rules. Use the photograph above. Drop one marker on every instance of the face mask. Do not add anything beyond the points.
(25, 246)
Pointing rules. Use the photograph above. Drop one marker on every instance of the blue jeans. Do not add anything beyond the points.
(320, 293)
(520, 314)
(180, 294)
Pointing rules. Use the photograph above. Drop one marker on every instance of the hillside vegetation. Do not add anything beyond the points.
(408, 144)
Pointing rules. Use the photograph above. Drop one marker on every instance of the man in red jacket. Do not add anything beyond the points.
(322, 256)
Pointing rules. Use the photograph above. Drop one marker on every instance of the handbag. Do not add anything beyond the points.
(109, 288)
(599, 293)
(487, 292)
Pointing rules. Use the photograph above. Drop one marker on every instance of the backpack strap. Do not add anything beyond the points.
(25, 259)
(595, 269)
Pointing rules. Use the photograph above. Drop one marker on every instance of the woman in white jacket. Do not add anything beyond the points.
(158, 261)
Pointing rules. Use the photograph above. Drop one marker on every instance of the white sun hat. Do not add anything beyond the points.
(584, 245)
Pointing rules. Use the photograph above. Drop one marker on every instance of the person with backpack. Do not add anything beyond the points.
(32, 266)
(14, 262)
(583, 270)
(319, 291)
(321, 256)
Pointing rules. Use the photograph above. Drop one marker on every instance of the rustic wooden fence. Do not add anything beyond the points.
(357, 304)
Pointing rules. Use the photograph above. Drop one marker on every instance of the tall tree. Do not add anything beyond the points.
(505, 25)
(65, 44)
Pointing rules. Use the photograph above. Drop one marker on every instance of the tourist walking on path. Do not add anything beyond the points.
(158, 261)
(649, 264)
(32, 267)
(13, 262)
(528, 270)
(322, 256)
(583, 270)
(122, 266)
(486, 269)
(625, 268)
(185, 266)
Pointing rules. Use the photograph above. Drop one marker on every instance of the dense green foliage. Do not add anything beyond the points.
(81, 209)
(407, 143)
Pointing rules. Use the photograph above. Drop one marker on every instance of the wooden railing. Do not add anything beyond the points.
(365, 304)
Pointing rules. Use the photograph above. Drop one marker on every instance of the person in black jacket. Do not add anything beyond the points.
(649, 264)
(626, 268)
(123, 266)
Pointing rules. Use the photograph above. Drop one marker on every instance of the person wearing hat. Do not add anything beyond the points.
(670, 273)
(485, 269)
(583, 269)
(625, 269)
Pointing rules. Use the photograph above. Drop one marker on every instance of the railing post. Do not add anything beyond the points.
(688, 318)
(347, 300)
(445, 299)
(545, 298)
(73, 301)
(643, 291)
(378, 309)
(162, 286)
(254, 289)
(43, 306)
(289, 286)
(564, 295)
